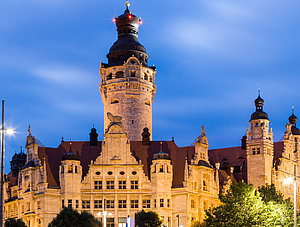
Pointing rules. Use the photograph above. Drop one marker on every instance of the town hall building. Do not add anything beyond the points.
(127, 171)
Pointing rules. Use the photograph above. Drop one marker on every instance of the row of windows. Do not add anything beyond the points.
(69, 169)
(110, 184)
(120, 74)
(110, 204)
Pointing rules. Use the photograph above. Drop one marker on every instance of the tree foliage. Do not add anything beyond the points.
(12, 222)
(242, 205)
(150, 219)
(71, 218)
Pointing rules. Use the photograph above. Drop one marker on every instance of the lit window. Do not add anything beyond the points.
(161, 202)
(70, 169)
(154, 203)
(122, 184)
(97, 204)
(86, 204)
(134, 184)
(258, 150)
(134, 203)
(110, 184)
(146, 203)
(161, 169)
(122, 203)
(205, 186)
(110, 204)
(38, 205)
(97, 185)
(192, 203)
(70, 203)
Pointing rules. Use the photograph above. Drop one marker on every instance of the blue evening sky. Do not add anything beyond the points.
(211, 58)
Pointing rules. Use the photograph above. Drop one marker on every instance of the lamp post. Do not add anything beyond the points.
(8, 131)
(178, 219)
(294, 182)
(104, 213)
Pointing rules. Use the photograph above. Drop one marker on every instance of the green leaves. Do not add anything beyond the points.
(242, 205)
(12, 222)
(150, 218)
(71, 218)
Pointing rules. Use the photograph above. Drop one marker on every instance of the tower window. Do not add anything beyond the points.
(132, 73)
(253, 150)
(161, 169)
(145, 76)
(114, 101)
(205, 186)
(132, 121)
(109, 76)
(119, 74)
(147, 103)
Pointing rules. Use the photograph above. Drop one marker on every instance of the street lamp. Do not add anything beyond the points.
(104, 213)
(3, 131)
(293, 181)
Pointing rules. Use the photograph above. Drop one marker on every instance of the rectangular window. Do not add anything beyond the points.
(192, 203)
(62, 203)
(161, 202)
(122, 203)
(134, 184)
(122, 184)
(22, 209)
(168, 202)
(97, 204)
(86, 204)
(258, 150)
(70, 203)
(38, 205)
(97, 185)
(205, 205)
(77, 204)
(253, 150)
(110, 204)
(28, 206)
(110, 184)
(134, 203)
(154, 203)
(146, 203)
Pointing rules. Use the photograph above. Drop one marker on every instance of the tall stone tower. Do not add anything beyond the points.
(127, 82)
(260, 148)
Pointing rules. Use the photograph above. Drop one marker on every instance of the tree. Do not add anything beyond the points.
(71, 218)
(150, 219)
(12, 222)
(242, 205)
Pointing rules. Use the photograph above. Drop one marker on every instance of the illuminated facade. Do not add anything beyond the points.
(127, 171)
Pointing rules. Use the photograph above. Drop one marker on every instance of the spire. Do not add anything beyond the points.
(293, 119)
(29, 130)
(127, 6)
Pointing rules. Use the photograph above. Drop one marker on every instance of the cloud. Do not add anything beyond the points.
(63, 75)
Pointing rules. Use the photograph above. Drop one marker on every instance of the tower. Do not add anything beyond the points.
(127, 82)
(260, 147)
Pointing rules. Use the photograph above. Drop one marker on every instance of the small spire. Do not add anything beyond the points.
(62, 139)
(29, 130)
(127, 4)
(21, 149)
(203, 130)
(293, 108)
(258, 91)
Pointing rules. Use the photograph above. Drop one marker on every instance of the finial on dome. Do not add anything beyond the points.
(258, 92)
(293, 108)
(127, 4)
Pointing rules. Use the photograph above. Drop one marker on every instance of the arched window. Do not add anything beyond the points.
(132, 74)
(119, 74)
(62, 169)
(161, 169)
(145, 76)
(114, 101)
(70, 169)
(109, 76)
(205, 186)
(147, 103)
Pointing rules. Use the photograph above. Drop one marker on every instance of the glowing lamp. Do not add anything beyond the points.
(288, 181)
(115, 20)
(140, 21)
(10, 131)
(129, 16)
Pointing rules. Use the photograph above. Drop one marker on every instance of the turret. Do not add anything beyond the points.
(70, 173)
(201, 148)
(93, 137)
(32, 147)
(260, 148)
(127, 82)
(161, 183)
(17, 162)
